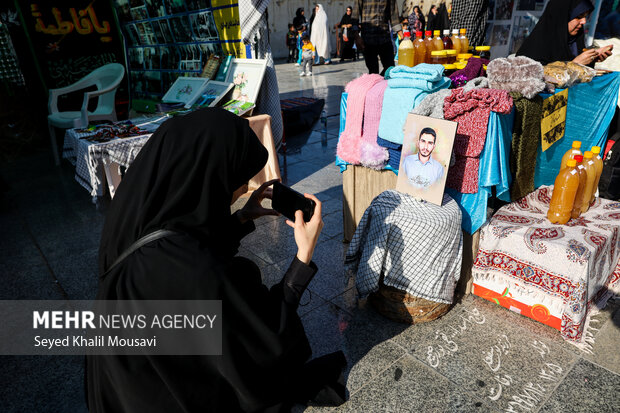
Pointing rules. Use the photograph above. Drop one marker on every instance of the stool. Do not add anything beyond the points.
(407, 254)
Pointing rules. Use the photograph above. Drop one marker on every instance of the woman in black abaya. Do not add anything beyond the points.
(559, 35)
(348, 32)
(182, 181)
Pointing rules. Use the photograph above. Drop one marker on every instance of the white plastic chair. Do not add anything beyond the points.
(107, 78)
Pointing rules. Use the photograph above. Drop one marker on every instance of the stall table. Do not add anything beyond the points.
(98, 163)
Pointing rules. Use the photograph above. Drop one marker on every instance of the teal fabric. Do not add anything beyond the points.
(591, 107)
(407, 87)
(494, 172)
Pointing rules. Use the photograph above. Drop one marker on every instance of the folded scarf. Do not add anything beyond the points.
(471, 110)
(524, 146)
(371, 154)
(407, 87)
(394, 151)
(474, 69)
(516, 74)
(349, 142)
(432, 105)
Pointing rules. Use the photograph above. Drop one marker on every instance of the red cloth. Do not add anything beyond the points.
(471, 109)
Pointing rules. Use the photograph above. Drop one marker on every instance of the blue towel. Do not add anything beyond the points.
(394, 151)
(407, 87)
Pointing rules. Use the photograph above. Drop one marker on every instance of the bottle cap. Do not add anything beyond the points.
(449, 66)
(588, 155)
(578, 158)
(483, 48)
(436, 33)
(464, 56)
(455, 31)
(451, 52)
(418, 34)
(571, 163)
(576, 144)
(438, 53)
(428, 33)
(463, 31)
(596, 150)
(460, 65)
(406, 34)
(446, 32)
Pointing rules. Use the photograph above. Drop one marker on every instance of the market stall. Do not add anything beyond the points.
(511, 158)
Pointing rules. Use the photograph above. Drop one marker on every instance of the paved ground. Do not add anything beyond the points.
(478, 357)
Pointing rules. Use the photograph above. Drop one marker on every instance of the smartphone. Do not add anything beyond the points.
(286, 201)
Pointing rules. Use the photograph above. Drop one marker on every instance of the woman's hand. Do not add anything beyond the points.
(604, 52)
(587, 57)
(253, 208)
(307, 233)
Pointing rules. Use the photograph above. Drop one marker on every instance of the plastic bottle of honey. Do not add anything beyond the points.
(451, 56)
(588, 163)
(564, 192)
(406, 51)
(438, 57)
(598, 163)
(456, 42)
(447, 42)
(580, 198)
(437, 42)
(420, 49)
(570, 154)
(464, 41)
(428, 42)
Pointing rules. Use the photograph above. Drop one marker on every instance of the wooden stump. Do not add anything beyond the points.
(402, 307)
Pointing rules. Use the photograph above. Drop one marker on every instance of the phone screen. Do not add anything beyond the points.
(286, 201)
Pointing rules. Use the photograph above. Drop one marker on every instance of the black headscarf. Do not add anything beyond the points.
(347, 18)
(550, 41)
(183, 179)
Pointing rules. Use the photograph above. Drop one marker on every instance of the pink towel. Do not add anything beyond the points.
(349, 143)
(371, 154)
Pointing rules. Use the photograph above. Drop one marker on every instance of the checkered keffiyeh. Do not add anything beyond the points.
(9, 67)
(471, 15)
(412, 245)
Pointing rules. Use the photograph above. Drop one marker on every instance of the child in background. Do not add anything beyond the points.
(291, 43)
(300, 35)
(308, 52)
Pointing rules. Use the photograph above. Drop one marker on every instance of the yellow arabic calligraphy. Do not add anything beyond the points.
(79, 21)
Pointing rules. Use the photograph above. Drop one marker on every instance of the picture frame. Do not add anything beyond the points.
(185, 89)
(213, 91)
(425, 157)
(247, 77)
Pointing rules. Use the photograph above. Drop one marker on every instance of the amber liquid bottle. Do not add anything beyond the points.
(588, 163)
(420, 49)
(456, 41)
(406, 51)
(564, 192)
(437, 42)
(464, 41)
(581, 197)
(428, 43)
(598, 163)
(570, 154)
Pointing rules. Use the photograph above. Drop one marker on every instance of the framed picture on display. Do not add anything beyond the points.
(246, 76)
(212, 93)
(425, 157)
(185, 89)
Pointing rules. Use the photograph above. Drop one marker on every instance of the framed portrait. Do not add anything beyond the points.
(246, 75)
(212, 94)
(185, 89)
(425, 157)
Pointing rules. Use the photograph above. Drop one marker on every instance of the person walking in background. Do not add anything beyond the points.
(319, 35)
(291, 43)
(348, 26)
(308, 52)
(416, 20)
(300, 35)
(300, 21)
(433, 19)
(471, 15)
(376, 17)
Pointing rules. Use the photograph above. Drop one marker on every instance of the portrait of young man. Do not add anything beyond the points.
(421, 169)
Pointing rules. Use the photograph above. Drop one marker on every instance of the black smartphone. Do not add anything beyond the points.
(286, 201)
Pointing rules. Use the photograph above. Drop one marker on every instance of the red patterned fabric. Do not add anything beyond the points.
(568, 268)
(471, 109)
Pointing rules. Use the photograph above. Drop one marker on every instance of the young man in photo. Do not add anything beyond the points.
(421, 169)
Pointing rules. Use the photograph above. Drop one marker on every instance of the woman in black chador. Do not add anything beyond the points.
(559, 35)
(182, 182)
